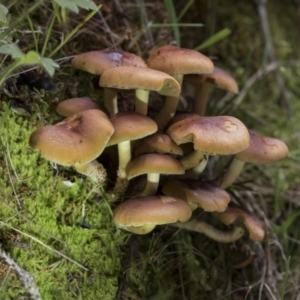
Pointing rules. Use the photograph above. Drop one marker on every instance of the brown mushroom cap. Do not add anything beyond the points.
(221, 135)
(174, 60)
(95, 62)
(160, 143)
(153, 210)
(234, 213)
(140, 78)
(73, 106)
(263, 150)
(78, 139)
(198, 194)
(219, 78)
(153, 163)
(131, 126)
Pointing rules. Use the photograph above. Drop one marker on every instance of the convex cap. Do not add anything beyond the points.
(141, 215)
(158, 143)
(198, 194)
(154, 163)
(73, 106)
(219, 78)
(140, 78)
(234, 213)
(174, 60)
(95, 62)
(263, 150)
(222, 135)
(78, 139)
(131, 126)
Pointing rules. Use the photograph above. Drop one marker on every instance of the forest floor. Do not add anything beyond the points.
(56, 225)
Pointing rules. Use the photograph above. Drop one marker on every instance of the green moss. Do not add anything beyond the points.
(36, 202)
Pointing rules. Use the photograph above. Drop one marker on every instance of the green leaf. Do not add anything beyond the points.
(67, 4)
(185, 9)
(11, 49)
(74, 5)
(3, 13)
(33, 57)
(214, 39)
(86, 4)
(49, 65)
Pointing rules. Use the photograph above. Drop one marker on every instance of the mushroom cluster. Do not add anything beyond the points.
(170, 152)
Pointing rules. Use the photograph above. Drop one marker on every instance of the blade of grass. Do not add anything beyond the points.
(75, 30)
(285, 279)
(185, 9)
(48, 33)
(289, 222)
(277, 198)
(222, 34)
(33, 34)
(18, 20)
(173, 20)
(58, 12)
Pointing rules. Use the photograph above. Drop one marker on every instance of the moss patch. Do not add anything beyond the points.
(47, 215)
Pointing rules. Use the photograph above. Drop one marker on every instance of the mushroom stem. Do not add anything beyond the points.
(151, 185)
(193, 159)
(210, 231)
(94, 170)
(141, 101)
(124, 152)
(168, 110)
(194, 172)
(201, 165)
(201, 99)
(235, 168)
(234, 213)
(111, 101)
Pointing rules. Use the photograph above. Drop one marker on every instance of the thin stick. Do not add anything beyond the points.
(26, 279)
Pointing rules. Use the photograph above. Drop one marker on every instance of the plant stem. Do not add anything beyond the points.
(8, 70)
(49, 30)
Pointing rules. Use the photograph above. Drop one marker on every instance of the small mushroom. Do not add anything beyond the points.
(176, 62)
(96, 62)
(141, 215)
(234, 213)
(261, 150)
(73, 106)
(76, 141)
(198, 194)
(158, 143)
(221, 135)
(204, 84)
(153, 165)
(128, 126)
